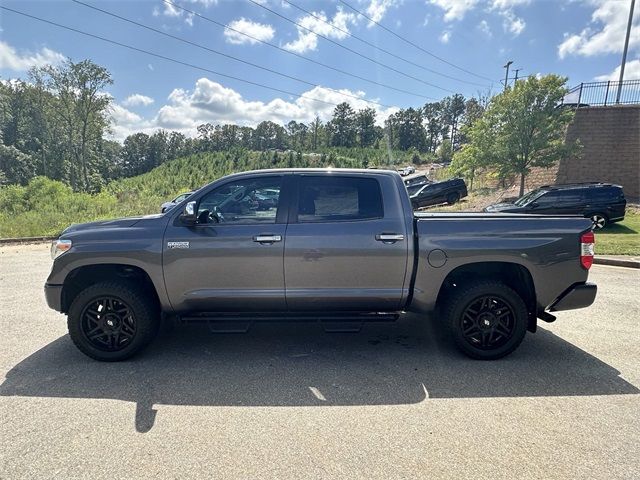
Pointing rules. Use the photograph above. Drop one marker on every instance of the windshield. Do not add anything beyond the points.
(529, 197)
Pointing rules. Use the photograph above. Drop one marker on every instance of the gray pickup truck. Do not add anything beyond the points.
(337, 245)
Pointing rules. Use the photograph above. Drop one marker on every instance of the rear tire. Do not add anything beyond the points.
(453, 198)
(488, 320)
(599, 220)
(112, 321)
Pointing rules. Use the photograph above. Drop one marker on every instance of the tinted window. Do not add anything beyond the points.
(566, 197)
(547, 198)
(329, 198)
(245, 201)
(604, 194)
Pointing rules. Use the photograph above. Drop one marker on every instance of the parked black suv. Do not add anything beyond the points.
(433, 193)
(601, 202)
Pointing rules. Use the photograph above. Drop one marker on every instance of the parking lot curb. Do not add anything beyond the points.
(18, 241)
(617, 262)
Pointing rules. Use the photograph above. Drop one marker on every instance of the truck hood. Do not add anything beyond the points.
(503, 207)
(115, 223)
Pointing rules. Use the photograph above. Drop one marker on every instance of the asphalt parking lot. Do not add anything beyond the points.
(290, 401)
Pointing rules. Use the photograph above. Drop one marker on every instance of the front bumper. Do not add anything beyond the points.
(53, 295)
(580, 295)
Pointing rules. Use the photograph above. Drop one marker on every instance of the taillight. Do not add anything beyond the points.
(587, 251)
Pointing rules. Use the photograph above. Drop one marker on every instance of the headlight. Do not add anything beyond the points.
(58, 247)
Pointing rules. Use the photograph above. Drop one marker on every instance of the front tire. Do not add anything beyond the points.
(488, 320)
(453, 198)
(112, 321)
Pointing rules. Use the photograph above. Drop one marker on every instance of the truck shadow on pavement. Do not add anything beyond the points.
(300, 365)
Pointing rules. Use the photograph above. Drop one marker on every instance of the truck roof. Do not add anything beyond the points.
(367, 171)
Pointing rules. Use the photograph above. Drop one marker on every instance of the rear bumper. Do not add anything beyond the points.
(53, 295)
(580, 295)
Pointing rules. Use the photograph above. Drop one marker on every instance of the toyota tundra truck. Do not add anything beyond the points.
(337, 245)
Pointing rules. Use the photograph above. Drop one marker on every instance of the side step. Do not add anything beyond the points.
(339, 322)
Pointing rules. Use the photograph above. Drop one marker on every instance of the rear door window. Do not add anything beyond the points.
(338, 198)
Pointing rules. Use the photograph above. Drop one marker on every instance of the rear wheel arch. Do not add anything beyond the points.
(514, 275)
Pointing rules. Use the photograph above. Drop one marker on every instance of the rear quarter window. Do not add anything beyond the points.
(605, 194)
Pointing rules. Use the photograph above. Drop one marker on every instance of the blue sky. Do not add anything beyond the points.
(581, 39)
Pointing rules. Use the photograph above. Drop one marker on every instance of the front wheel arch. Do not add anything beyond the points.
(82, 277)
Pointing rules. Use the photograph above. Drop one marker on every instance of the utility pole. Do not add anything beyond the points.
(506, 76)
(624, 52)
(516, 78)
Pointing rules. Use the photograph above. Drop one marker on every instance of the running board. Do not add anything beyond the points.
(223, 322)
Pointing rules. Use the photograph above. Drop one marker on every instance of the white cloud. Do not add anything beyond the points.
(605, 32)
(126, 122)
(259, 31)
(445, 37)
(378, 8)
(308, 41)
(169, 10)
(211, 102)
(484, 27)
(454, 9)
(508, 4)
(631, 71)
(136, 100)
(512, 23)
(457, 9)
(11, 59)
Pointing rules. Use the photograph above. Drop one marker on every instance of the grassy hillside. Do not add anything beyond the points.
(46, 207)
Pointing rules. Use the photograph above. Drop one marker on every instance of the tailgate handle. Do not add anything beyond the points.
(389, 237)
(267, 238)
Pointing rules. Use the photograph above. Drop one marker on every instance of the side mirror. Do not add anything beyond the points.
(189, 215)
(533, 205)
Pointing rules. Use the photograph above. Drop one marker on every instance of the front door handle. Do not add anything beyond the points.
(267, 238)
(389, 237)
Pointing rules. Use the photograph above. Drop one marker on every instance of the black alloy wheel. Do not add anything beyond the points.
(108, 323)
(488, 322)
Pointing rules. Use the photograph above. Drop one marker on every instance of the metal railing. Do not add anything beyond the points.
(602, 94)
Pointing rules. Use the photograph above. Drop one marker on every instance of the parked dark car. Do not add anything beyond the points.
(433, 193)
(603, 203)
(172, 203)
(415, 180)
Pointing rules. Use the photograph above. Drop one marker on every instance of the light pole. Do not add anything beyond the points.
(624, 52)
(506, 76)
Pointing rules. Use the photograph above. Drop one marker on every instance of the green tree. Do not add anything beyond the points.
(523, 127)
(343, 126)
(453, 109)
(406, 130)
(81, 107)
(17, 167)
(432, 116)
(315, 127)
(366, 127)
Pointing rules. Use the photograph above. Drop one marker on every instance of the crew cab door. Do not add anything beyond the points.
(346, 245)
(232, 258)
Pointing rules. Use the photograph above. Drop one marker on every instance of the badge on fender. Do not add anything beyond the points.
(172, 245)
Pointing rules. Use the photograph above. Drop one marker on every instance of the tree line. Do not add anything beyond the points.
(57, 124)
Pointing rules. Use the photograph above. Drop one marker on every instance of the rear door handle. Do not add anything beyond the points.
(267, 238)
(389, 237)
